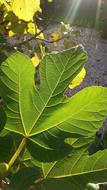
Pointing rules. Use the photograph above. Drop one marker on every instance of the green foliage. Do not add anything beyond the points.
(76, 170)
(2, 117)
(50, 133)
(45, 137)
(16, 16)
(43, 102)
(6, 143)
(25, 180)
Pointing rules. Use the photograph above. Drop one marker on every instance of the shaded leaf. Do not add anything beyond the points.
(24, 178)
(75, 171)
(6, 148)
(2, 118)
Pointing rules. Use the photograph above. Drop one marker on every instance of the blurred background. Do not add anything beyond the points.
(90, 13)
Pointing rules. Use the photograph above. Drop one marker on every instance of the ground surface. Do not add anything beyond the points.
(95, 46)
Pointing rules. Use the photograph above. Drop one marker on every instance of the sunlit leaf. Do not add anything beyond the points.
(41, 35)
(4, 2)
(78, 79)
(31, 107)
(35, 60)
(43, 115)
(11, 33)
(48, 120)
(25, 9)
(31, 28)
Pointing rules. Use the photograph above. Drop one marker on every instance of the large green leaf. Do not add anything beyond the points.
(19, 92)
(75, 171)
(82, 115)
(43, 115)
(28, 106)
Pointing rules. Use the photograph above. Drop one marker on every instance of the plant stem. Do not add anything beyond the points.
(52, 41)
(17, 153)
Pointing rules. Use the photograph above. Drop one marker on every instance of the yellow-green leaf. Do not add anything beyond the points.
(78, 79)
(41, 35)
(25, 9)
(35, 60)
(31, 28)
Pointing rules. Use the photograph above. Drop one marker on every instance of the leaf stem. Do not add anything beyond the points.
(17, 153)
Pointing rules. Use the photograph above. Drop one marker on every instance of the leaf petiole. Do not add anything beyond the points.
(17, 153)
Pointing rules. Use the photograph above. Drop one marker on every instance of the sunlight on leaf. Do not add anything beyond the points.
(31, 28)
(11, 33)
(78, 79)
(35, 60)
(25, 9)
